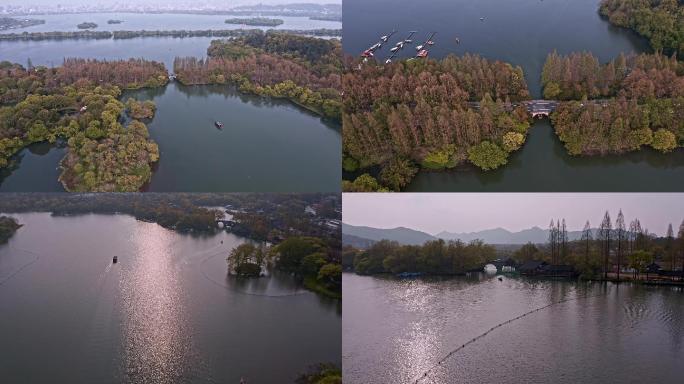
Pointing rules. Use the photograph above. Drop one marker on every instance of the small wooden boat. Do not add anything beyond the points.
(218, 124)
(115, 259)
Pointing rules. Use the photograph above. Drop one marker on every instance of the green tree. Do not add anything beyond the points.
(487, 155)
(664, 140)
(513, 141)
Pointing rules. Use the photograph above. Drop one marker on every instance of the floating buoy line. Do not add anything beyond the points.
(426, 374)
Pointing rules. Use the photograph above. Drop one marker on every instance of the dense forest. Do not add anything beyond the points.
(437, 257)
(617, 248)
(282, 215)
(580, 76)
(640, 102)
(140, 110)
(78, 103)
(313, 261)
(302, 69)
(179, 212)
(431, 114)
(8, 225)
(620, 125)
(660, 21)
(256, 21)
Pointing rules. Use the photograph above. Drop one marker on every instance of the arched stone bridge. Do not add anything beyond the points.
(536, 108)
(540, 108)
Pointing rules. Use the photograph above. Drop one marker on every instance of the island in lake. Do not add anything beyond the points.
(442, 287)
(87, 25)
(151, 297)
(114, 21)
(256, 21)
(13, 23)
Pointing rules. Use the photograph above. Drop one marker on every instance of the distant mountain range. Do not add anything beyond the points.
(358, 235)
(400, 234)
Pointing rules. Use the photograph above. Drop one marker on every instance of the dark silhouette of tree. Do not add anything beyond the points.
(604, 235)
(680, 240)
(564, 243)
(586, 241)
(670, 247)
(620, 237)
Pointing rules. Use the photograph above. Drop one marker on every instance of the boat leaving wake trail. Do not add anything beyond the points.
(426, 374)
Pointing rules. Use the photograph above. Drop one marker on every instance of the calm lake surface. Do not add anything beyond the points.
(265, 145)
(522, 32)
(166, 312)
(394, 331)
(160, 21)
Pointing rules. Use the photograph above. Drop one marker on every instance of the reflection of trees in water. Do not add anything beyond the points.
(648, 156)
(37, 149)
(229, 91)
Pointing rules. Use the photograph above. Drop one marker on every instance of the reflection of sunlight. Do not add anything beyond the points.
(417, 349)
(155, 338)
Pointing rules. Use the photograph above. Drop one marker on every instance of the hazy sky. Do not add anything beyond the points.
(470, 212)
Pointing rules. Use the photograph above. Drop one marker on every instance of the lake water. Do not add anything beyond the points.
(166, 312)
(161, 21)
(395, 331)
(544, 165)
(35, 167)
(521, 32)
(265, 146)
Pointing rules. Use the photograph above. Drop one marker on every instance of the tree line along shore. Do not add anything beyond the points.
(439, 114)
(288, 238)
(117, 35)
(616, 250)
(78, 102)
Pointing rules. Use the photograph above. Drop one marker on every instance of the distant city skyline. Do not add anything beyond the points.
(471, 212)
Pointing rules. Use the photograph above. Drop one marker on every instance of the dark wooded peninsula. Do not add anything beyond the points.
(8, 226)
(256, 21)
(87, 25)
(87, 34)
(661, 22)
(11, 23)
(302, 69)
